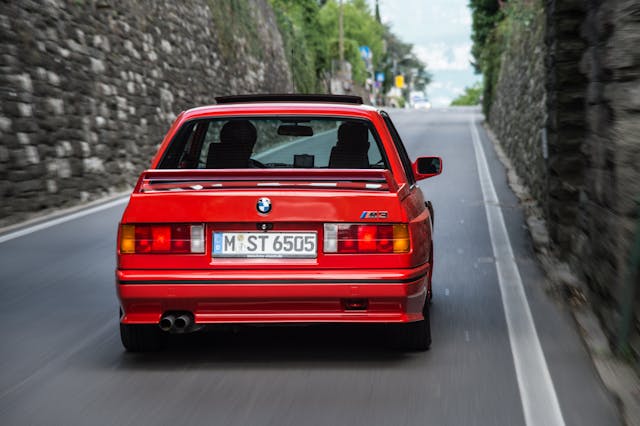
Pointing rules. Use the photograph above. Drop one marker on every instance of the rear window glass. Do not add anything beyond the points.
(232, 143)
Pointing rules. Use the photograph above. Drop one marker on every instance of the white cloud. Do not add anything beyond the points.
(446, 85)
(462, 16)
(440, 56)
(440, 31)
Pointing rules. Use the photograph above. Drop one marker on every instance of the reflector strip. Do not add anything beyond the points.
(197, 238)
(330, 238)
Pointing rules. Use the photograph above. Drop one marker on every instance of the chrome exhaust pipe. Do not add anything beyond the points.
(167, 322)
(183, 322)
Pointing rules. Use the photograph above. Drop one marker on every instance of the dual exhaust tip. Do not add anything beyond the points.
(177, 323)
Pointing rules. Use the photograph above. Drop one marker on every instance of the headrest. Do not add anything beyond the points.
(353, 134)
(240, 132)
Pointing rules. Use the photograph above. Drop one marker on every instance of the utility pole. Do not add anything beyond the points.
(341, 36)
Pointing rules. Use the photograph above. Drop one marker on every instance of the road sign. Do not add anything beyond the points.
(365, 52)
(399, 81)
(380, 77)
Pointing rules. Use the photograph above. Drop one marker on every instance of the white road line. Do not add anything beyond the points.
(539, 400)
(48, 224)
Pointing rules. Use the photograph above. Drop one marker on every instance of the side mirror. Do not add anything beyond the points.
(426, 167)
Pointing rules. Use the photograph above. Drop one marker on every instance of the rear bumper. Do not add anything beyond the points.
(272, 296)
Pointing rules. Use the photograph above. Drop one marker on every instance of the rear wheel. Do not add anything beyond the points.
(414, 336)
(141, 337)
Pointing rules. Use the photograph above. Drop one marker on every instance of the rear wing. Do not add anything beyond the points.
(216, 179)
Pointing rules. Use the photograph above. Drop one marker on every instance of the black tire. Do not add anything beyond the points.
(414, 336)
(141, 338)
(430, 290)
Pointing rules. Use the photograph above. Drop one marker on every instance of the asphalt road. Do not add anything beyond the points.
(61, 362)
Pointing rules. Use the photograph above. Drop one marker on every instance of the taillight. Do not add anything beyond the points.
(366, 238)
(170, 239)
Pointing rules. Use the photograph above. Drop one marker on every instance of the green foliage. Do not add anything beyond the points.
(360, 29)
(400, 59)
(471, 96)
(486, 15)
(487, 46)
(492, 30)
(234, 20)
(297, 20)
(309, 30)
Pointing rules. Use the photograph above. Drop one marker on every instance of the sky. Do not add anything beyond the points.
(440, 31)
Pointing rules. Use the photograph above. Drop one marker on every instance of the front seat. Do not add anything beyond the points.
(351, 150)
(237, 139)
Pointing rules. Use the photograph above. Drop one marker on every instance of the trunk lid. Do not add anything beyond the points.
(227, 202)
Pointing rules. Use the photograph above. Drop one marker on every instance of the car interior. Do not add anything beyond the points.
(275, 143)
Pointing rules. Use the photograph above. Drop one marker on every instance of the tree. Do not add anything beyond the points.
(360, 29)
(471, 96)
(487, 44)
(400, 59)
(486, 14)
(309, 30)
(304, 47)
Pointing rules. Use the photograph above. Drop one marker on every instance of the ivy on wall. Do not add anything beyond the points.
(494, 24)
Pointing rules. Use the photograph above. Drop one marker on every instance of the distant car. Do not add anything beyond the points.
(421, 104)
(277, 209)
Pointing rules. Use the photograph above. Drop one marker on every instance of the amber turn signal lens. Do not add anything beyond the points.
(127, 239)
(401, 242)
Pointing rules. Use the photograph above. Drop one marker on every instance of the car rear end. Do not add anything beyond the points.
(278, 243)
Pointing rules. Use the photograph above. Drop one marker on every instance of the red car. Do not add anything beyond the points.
(277, 209)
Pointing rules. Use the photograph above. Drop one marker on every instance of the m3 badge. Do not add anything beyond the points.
(374, 214)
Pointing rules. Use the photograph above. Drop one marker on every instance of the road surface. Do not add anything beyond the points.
(61, 361)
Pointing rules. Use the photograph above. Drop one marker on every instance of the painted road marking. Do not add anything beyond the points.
(537, 393)
(57, 221)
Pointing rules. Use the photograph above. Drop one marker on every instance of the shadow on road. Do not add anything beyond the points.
(275, 347)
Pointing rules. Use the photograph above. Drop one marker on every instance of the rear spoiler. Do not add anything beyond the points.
(155, 180)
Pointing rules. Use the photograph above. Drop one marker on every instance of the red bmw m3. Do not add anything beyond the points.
(277, 209)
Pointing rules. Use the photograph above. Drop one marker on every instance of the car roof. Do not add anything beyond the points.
(284, 104)
(282, 108)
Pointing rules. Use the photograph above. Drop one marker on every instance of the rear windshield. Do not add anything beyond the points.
(234, 143)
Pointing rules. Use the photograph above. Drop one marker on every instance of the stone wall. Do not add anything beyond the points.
(575, 75)
(518, 113)
(609, 213)
(89, 87)
(566, 91)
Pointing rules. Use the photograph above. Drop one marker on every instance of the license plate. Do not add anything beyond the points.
(265, 244)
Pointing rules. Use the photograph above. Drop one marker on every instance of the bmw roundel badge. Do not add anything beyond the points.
(264, 205)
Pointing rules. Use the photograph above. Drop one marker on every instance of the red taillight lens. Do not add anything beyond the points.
(366, 238)
(348, 239)
(143, 239)
(179, 238)
(385, 239)
(160, 239)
